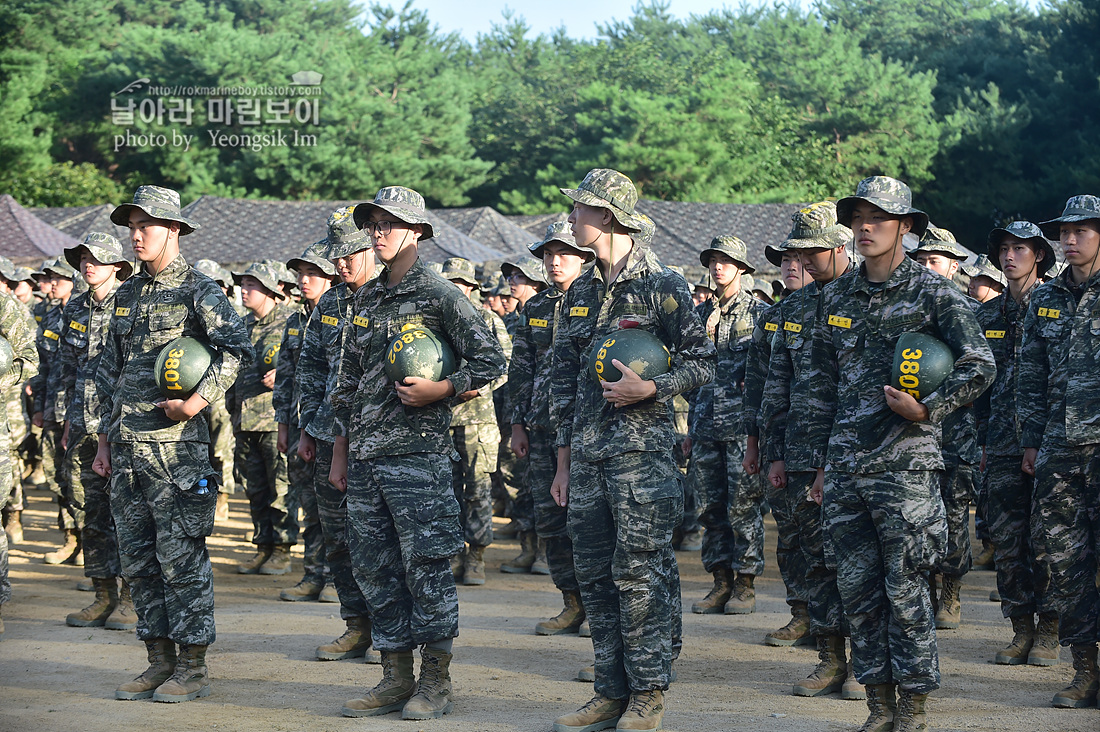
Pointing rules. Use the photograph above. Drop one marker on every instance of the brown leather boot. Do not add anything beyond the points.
(14, 526)
(528, 548)
(880, 700)
(162, 662)
(124, 617)
(305, 591)
(1044, 652)
(69, 552)
(645, 711)
(540, 565)
(221, 508)
(1086, 682)
(832, 667)
(949, 614)
(96, 614)
(434, 696)
(473, 568)
(794, 633)
(189, 681)
(1023, 629)
(984, 558)
(352, 644)
(568, 620)
(743, 599)
(910, 715)
(278, 562)
(390, 694)
(715, 601)
(252, 566)
(599, 713)
(852, 690)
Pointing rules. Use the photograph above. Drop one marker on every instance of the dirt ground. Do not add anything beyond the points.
(265, 678)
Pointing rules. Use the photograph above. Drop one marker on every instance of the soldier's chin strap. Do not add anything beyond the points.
(389, 265)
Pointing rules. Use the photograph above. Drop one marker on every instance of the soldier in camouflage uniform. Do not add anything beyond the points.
(703, 290)
(17, 326)
(883, 514)
(315, 278)
(532, 437)
(986, 281)
(352, 256)
(17, 420)
(822, 245)
(85, 322)
(1058, 410)
(939, 252)
(733, 544)
(1024, 255)
(259, 463)
(616, 470)
(394, 458)
(477, 440)
(156, 452)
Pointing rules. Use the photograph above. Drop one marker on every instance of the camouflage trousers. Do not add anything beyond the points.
(17, 428)
(787, 505)
(402, 531)
(472, 481)
(822, 594)
(162, 528)
(982, 530)
(221, 446)
(893, 531)
(300, 479)
(1066, 530)
(90, 493)
(731, 502)
(509, 477)
(332, 510)
(5, 489)
(622, 512)
(1022, 580)
(261, 469)
(5, 583)
(53, 467)
(956, 489)
(550, 518)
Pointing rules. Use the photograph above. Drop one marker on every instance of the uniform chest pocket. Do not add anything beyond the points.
(892, 328)
(794, 341)
(541, 335)
(76, 339)
(631, 315)
(1053, 329)
(167, 317)
(581, 326)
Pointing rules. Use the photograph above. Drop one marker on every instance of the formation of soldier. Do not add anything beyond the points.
(806, 407)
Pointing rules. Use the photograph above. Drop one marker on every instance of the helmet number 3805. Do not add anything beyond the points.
(909, 369)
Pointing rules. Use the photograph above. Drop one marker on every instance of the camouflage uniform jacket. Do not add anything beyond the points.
(480, 409)
(511, 321)
(319, 360)
(84, 324)
(655, 298)
(250, 405)
(756, 368)
(719, 406)
(150, 312)
(48, 342)
(1002, 320)
(365, 403)
(960, 428)
(532, 353)
(1058, 394)
(284, 399)
(850, 427)
(17, 326)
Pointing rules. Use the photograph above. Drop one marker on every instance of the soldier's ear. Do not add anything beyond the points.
(905, 225)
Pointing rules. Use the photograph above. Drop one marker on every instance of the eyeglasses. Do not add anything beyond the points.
(383, 228)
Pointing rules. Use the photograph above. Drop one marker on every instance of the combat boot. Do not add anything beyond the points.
(305, 591)
(162, 662)
(645, 711)
(124, 616)
(14, 526)
(390, 694)
(540, 565)
(328, 594)
(880, 701)
(743, 599)
(719, 595)
(69, 553)
(528, 548)
(568, 620)
(984, 558)
(96, 614)
(85, 585)
(599, 713)
(585, 631)
(588, 673)
(794, 633)
(1086, 682)
(278, 562)
(473, 568)
(252, 566)
(1044, 652)
(949, 614)
(852, 690)
(433, 697)
(221, 508)
(458, 564)
(994, 595)
(910, 715)
(1023, 629)
(189, 681)
(354, 643)
(828, 676)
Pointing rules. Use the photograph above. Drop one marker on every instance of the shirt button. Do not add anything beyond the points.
(423, 434)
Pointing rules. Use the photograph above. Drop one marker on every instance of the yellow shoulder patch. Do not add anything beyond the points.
(78, 326)
(38, 318)
(840, 322)
(792, 327)
(669, 304)
(994, 334)
(329, 320)
(578, 312)
(122, 312)
(539, 322)
(360, 321)
(771, 327)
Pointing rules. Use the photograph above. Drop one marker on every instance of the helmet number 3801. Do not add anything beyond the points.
(171, 364)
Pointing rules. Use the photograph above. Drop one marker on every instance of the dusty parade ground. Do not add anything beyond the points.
(57, 678)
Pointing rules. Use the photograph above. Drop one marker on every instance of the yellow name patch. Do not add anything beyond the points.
(994, 334)
(292, 331)
(538, 323)
(792, 327)
(360, 321)
(840, 322)
(38, 318)
(1049, 313)
(122, 312)
(50, 334)
(578, 312)
(329, 320)
(771, 326)
(78, 326)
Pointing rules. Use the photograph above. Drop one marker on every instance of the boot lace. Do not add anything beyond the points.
(643, 704)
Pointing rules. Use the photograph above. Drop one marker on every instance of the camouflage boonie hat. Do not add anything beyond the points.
(23, 274)
(1078, 208)
(816, 227)
(160, 203)
(982, 267)
(315, 255)
(706, 282)
(282, 270)
(345, 236)
(754, 286)
(404, 203)
(732, 247)
(1028, 232)
(459, 268)
(7, 269)
(774, 255)
(940, 241)
(533, 271)
(489, 284)
(265, 273)
(437, 267)
(889, 194)
(59, 266)
(560, 231)
(610, 189)
(105, 248)
(649, 228)
(214, 271)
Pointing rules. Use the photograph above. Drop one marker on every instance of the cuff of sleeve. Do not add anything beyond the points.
(460, 380)
(565, 436)
(664, 387)
(1031, 439)
(937, 407)
(209, 390)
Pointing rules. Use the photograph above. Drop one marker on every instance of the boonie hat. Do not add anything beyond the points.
(732, 247)
(889, 194)
(404, 203)
(105, 248)
(610, 189)
(1028, 232)
(160, 203)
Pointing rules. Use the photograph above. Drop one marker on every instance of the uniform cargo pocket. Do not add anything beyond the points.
(928, 540)
(650, 513)
(195, 511)
(438, 533)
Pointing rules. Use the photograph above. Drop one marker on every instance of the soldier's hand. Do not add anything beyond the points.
(559, 489)
(419, 392)
(685, 446)
(338, 472)
(630, 389)
(307, 447)
(817, 490)
(65, 436)
(520, 443)
(981, 465)
(468, 395)
(751, 462)
(1028, 463)
(269, 379)
(905, 404)
(777, 474)
(102, 463)
(281, 441)
(36, 420)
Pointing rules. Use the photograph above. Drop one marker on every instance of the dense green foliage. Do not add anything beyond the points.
(987, 108)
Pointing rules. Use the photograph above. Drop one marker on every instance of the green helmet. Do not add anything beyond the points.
(639, 350)
(268, 351)
(181, 366)
(7, 356)
(921, 364)
(418, 352)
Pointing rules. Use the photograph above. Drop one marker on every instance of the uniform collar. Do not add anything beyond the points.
(901, 274)
(173, 274)
(409, 283)
(639, 262)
